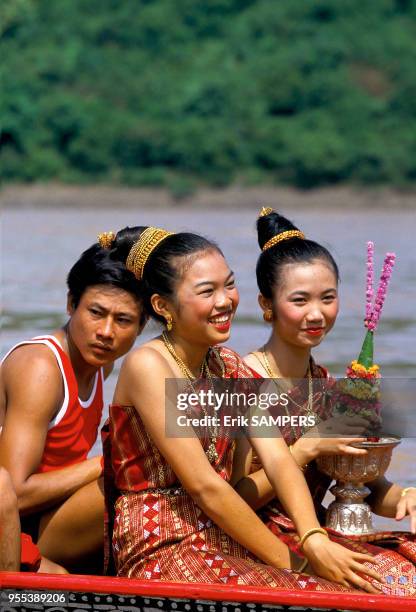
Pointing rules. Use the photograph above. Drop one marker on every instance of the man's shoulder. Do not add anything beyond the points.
(29, 357)
(31, 377)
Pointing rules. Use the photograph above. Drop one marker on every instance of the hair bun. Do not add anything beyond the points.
(270, 224)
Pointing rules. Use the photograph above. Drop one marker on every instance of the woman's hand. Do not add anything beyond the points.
(407, 506)
(340, 425)
(338, 446)
(331, 437)
(339, 564)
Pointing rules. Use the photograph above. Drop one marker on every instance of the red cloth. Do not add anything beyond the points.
(30, 555)
(73, 431)
(394, 552)
(136, 465)
(159, 532)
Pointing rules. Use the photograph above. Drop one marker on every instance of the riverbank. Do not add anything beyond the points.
(56, 196)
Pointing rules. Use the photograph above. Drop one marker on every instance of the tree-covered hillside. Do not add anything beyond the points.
(172, 92)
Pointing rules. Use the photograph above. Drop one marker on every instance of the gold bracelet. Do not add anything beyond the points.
(310, 532)
(301, 467)
(406, 490)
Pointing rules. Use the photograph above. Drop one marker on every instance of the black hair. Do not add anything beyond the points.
(291, 250)
(102, 266)
(167, 264)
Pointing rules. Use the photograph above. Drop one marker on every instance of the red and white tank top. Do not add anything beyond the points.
(73, 430)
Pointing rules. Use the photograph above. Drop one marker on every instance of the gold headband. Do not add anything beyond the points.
(283, 236)
(141, 250)
(266, 210)
(105, 239)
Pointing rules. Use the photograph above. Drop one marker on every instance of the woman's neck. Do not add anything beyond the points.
(191, 354)
(288, 361)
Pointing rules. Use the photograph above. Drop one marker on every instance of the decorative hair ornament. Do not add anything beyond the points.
(142, 249)
(288, 235)
(266, 210)
(106, 239)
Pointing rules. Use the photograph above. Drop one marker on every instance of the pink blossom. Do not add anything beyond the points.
(370, 277)
(373, 312)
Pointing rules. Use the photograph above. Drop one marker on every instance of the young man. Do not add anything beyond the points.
(51, 401)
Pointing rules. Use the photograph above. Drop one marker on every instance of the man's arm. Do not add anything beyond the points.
(9, 526)
(33, 389)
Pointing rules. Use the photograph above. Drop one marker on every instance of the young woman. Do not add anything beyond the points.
(176, 516)
(298, 281)
(51, 400)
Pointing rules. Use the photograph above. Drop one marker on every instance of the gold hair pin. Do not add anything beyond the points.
(106, 239)
(266, 210)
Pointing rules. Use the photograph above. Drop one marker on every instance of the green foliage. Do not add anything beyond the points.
(175, 93)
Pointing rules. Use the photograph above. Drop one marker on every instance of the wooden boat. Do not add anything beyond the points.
(21, 592)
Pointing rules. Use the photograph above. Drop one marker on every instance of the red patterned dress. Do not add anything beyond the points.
(159, 533)
(393, 551)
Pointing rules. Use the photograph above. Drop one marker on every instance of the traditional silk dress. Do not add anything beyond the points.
(394, 551)
(159, 532)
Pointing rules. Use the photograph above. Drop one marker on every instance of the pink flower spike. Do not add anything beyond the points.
(381, 291)
(370, 278)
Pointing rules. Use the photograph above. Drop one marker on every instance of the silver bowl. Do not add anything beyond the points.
(349, 513)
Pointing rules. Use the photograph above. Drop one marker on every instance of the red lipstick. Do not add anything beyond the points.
(315, 331)
(222, 326)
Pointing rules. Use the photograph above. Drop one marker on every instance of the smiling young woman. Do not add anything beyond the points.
(175, 515)
(304, 307)
(298, 280)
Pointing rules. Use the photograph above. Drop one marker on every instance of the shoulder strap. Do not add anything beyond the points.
(52, 343)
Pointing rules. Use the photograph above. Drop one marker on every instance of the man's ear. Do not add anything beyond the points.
(70, 307)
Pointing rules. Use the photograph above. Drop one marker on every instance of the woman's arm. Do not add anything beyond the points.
(287, 481)
(254, 487)
(387, 499)
(327, 558)
(332, 436)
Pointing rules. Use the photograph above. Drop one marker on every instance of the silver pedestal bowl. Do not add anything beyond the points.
(349, 513)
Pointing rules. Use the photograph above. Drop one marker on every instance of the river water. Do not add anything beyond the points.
(39, 246)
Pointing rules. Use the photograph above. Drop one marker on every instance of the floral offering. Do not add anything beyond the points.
(359, 392)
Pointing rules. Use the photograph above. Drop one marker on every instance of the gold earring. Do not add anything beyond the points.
(169, 324)
(268, 316)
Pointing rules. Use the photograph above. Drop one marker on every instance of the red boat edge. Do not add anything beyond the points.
(180, 590)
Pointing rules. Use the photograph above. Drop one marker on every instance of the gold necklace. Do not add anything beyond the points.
(309, 407)
(211, 452)
(182, 365)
